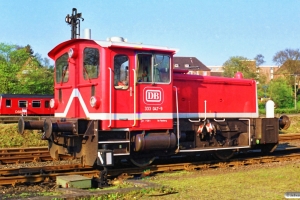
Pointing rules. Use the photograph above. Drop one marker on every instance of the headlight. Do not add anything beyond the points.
(72, 53)
(53, 103)
(94, 102)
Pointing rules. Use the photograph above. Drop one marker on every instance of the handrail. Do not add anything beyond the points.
(134, 98)
(199, 120)
(249, 128)
(221, 120)
(204, 110)
(177, 113)
(110, 96)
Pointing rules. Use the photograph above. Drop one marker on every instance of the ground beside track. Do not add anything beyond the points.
(258, 181)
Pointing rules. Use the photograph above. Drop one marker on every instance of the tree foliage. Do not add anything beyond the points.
(239, 64)
(288, 54)
(259, 59)
(22, 72)
(281, 93)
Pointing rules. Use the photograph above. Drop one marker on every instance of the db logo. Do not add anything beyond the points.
(153, 95)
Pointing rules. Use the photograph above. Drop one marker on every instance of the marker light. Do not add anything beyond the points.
(94, 102)
(71, 52)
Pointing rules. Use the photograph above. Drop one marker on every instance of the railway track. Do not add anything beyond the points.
(289, 137)
(26, 155)
(14, 176)
(39, 154)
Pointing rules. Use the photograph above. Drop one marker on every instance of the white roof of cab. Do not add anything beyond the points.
(139, 46)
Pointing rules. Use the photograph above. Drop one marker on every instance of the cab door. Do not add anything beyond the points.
(122, 73)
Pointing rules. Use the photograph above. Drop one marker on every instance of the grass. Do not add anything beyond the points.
(9, 137)
(264, 183)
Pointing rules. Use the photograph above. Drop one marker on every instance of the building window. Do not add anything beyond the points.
(176, 65)
(204, 73)
(186, 65)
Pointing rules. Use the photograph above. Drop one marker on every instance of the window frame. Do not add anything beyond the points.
(86, 71)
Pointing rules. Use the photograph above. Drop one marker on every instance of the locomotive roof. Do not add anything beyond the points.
(26, 96)
(104, 43)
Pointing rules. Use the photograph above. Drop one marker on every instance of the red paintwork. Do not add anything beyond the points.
(122, 112)
(225, 97)
(144, 105)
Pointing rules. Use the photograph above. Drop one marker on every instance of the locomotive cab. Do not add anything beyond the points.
(110, 95)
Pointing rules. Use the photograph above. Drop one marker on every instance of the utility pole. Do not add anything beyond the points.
(295, 89)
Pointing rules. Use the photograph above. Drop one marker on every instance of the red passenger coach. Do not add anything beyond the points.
(25, 104)
(116, 100)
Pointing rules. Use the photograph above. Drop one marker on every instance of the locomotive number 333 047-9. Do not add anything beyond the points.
(153, 108)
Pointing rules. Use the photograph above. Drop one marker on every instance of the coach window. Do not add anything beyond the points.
(90, 63)
(36, 104)
(62, 69)
(121, 72)
(8, 103)
(47, 104)
(22, 104)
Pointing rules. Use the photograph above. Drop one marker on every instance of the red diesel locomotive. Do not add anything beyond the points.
(118, 100)
(25, 104)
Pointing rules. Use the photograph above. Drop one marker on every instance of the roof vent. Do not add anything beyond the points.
(116, 39)
(87, 33)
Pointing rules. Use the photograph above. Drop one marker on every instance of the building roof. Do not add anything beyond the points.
(190, 63)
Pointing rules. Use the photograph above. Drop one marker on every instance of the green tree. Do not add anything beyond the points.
(22, 72)
(10, 63)
(240, 64)
(280, 91)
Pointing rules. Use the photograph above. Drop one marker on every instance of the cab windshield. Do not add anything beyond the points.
(62, 69)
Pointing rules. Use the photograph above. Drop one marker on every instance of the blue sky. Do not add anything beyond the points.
(211, 30)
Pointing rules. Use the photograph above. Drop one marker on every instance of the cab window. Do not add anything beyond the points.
(121, 72)
(153, 68)
(90, 63)
(62, 69)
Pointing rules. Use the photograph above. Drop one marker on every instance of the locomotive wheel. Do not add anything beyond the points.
(142, 161)
(224, 154)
